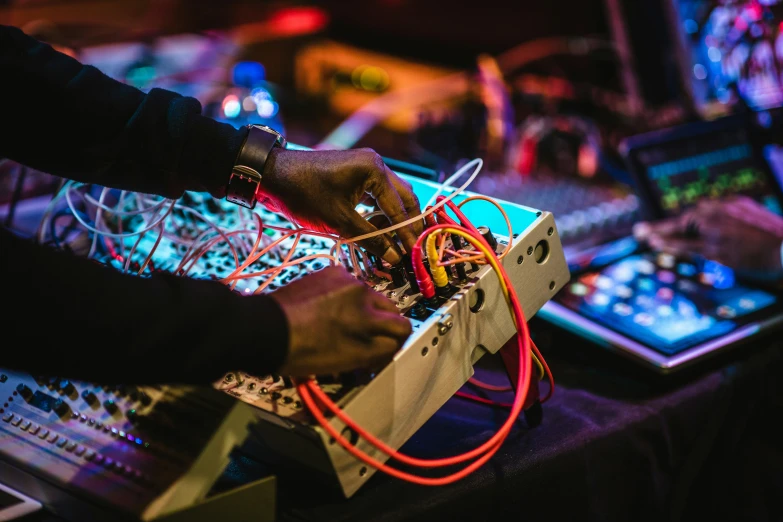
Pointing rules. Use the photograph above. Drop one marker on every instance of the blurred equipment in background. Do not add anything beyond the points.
(565, 144)
(190, 64)
(446, 115)
(384, 89)
(251, 99)
(730, 53)
(238, 62)
(545, 102)
(663, 311)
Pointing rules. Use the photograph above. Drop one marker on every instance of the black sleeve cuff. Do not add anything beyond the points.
(163, 328)
(210, 153)
(259, 328)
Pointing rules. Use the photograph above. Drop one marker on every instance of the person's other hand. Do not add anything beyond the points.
(736, 232)
(337, 323)
(321, 189)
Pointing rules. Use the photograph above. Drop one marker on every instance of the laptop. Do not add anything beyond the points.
(663, 312)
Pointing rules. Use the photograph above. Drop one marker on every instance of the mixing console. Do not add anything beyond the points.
(114, 452)
(584, 210)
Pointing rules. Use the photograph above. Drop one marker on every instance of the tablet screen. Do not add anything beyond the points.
(665, 303)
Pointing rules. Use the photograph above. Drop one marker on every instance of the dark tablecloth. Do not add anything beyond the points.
(616, 443)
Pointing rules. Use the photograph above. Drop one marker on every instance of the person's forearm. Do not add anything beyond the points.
(72, 317)
(71, 120)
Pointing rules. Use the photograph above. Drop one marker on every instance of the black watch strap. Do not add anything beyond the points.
(258, 144)
(246, 176)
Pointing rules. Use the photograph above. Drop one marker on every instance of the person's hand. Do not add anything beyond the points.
(321, 189)
(337, 323)
(736, 232)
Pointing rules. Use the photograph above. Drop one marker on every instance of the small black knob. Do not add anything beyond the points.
(444, 291)
(24, 391)
(486, 233)
(132, 416)
(407, 262)
(110, 406)
(461, 274)
(398, 276)
(288, 399)
(90, 397)
(460, 267)
(418, 311)
(276, 395)
(66, 386)
(61, 408)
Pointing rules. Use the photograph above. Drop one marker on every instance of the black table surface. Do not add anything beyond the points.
(616, 443)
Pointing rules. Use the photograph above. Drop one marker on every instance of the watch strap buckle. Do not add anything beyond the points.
(243, 186)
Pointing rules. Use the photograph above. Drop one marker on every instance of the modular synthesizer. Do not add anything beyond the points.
(434, 363)
(254, 251)
(449, 336)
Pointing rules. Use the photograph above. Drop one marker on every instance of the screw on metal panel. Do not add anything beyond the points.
(445, 324)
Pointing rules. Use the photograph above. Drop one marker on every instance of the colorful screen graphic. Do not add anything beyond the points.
(734, 50)
(712, 166)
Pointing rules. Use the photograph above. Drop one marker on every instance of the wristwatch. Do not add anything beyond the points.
(245, 177)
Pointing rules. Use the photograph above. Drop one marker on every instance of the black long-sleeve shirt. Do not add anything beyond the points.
(73, 317)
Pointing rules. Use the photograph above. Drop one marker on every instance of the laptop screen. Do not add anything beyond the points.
(676, 168)
(706, 167)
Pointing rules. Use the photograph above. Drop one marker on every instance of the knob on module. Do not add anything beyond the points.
(61, 408)
(24, 391)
